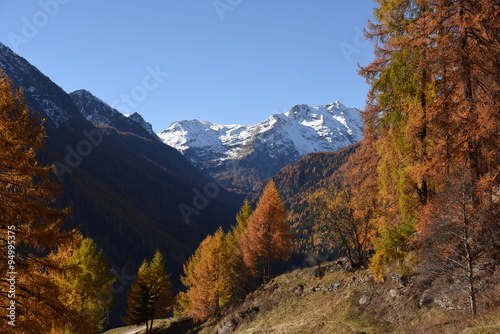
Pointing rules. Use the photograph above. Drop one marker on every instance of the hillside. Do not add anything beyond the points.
(333, 300)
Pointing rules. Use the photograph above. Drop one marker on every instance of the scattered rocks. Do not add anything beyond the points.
(331, 287)
(298, 289)
(335, 286)
(317, 288)
(401, 280)
(226, 328)
(426, 299)
(445, 304)
(356, 281)
(364, 300)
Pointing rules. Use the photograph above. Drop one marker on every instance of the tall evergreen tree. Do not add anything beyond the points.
(150, 295)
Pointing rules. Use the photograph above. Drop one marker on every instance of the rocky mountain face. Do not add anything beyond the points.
(129, 191)
(100, 113)
(243, 156)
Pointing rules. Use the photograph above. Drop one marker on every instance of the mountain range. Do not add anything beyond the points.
(243, 156)
(134, 191)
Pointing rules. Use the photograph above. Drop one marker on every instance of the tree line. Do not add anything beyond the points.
(424, 185)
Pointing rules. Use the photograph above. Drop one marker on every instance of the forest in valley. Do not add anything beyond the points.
(421, 191)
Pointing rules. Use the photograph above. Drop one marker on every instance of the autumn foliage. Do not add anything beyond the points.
(266, 238)
(430, 157)
(52, 280)
(344, 222)
(221, 269)
(30, 224)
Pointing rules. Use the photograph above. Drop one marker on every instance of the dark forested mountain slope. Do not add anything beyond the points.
(125, 186)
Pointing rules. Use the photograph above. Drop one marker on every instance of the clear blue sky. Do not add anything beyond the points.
(237, 63)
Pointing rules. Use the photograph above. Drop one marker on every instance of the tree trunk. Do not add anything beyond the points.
(267, 270)
(153, 307)
(472, 289)
(422, 189)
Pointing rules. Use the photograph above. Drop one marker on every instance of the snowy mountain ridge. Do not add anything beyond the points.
(277, 141)
(303, 129)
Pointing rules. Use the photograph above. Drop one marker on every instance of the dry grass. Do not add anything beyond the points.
(298, 303)
(281, 309)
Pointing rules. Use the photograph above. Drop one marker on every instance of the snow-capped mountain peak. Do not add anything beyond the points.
(281, 139)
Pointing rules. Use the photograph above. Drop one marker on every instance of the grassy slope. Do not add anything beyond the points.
(300, 302)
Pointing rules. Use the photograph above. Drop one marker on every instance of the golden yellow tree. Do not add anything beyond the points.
(85, 279)
(238, 270)
(30, 225)
(345, 222)
(266, 238)
(150, 295)
(183, 301)
(211, 280)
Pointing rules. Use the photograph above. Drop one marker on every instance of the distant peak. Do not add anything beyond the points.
(135, 116)
(298, 110)
(337, 104)
(82, 93)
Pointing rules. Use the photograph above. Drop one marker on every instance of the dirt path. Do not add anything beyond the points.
(132, 330)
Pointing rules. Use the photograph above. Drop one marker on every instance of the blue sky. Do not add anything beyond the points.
(225, 61)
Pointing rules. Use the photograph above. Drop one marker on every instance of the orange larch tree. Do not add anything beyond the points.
(432, 108)
(211, 279)
(458, 231)
(267, 238)
(30, 225)
(238, 270)
(464, 60)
